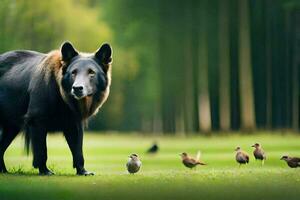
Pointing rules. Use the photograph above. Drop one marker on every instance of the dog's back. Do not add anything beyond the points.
(16, 69)
(20, 59)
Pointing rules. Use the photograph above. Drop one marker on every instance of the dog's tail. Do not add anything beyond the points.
(27, 138)
(27, 134)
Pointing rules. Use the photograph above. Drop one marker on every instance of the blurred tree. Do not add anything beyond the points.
(268, 41)
(137, 86)
(245, 66)
(295, 70)
(188, 63)
(258, 52)
(43, 25)
(224, 65)
(203, 95)
(234, 67)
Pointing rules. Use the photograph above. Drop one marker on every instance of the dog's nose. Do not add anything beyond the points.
(77, 88)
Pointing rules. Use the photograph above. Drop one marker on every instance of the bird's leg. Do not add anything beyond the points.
(262, 162)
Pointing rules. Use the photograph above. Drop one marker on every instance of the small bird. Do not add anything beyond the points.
(241, 156)
(259, 153)
(134, 164)
(153, 149)
(292, 162)
(191, 162)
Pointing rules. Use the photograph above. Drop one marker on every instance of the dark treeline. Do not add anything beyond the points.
(218, 64)
(179, 66)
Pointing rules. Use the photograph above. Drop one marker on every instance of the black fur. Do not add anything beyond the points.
(32, 99)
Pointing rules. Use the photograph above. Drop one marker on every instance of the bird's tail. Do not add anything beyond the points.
(198, 156)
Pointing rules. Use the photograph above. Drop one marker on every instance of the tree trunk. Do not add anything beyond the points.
(203, 95)
(268, 36)
(245, 69)
(188, 66)
(295, 77)
(224, 64)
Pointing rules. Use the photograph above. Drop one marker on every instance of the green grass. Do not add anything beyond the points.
(162, 176)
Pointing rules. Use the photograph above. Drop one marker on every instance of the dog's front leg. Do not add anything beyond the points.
(74, 137)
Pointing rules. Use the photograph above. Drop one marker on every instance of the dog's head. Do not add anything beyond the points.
(85, 75)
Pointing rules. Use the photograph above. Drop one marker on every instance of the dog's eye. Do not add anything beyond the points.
(91, 73)
(74, 72)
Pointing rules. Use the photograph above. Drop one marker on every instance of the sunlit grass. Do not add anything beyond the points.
(162, 176)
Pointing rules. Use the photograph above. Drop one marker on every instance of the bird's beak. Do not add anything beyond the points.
(281, 158)
(252, 146)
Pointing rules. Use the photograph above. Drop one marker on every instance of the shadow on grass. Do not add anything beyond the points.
(21, 171)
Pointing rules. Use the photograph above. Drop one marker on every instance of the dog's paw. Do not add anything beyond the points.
(83, 172)
(3, 171)
(45, 172)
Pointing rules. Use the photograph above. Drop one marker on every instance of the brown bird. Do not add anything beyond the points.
(191, 162)
(259, 153)
(134, 164)
(241, 156)
(292, 162)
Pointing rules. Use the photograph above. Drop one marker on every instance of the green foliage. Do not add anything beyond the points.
(135, 90)
(291, 4)
(44, 25)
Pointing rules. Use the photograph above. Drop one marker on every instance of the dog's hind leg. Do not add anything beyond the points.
(7, 136)
(39, 147)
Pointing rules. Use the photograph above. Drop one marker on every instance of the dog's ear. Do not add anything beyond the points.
(104, 55)
(68, 51)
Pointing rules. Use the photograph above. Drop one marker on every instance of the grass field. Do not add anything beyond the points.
(162, 176)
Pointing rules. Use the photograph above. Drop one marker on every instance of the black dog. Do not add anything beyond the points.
(43, 93)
